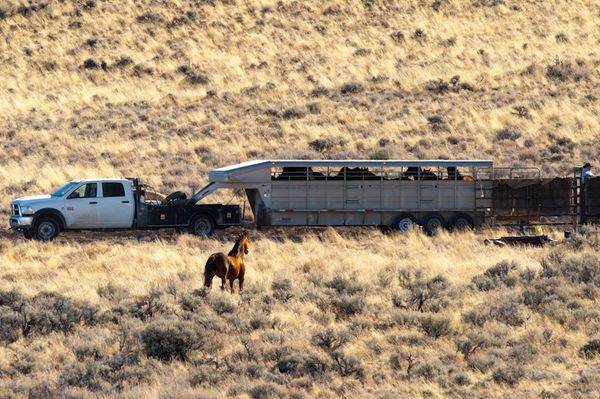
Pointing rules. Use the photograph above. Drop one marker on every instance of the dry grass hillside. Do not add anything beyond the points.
(168, 90)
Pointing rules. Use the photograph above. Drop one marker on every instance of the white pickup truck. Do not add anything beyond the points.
(91, 204)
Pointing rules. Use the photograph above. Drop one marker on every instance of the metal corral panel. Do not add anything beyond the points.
(258, 171)
(382, 163)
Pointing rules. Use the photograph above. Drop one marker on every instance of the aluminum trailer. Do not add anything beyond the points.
(398, 193)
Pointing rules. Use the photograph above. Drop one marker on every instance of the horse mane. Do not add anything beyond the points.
(237, 248)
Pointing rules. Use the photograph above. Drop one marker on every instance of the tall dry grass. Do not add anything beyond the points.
(379, 296)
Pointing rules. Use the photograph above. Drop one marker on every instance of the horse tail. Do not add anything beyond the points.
(209, 271)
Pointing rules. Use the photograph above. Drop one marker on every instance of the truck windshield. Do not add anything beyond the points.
(64, 189)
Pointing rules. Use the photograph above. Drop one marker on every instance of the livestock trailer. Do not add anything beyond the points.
(398, 193)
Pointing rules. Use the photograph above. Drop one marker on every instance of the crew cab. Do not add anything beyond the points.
(94, 204)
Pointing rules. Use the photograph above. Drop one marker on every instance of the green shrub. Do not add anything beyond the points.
(10, 326)
(509, 375)
(477, 316)
(508, 312)
(347, 365)
(428, 370)
(112, 292)
(171, 339)
(343, 285)
(25, 364)
(590, 349)
(522, 351)
(267, 391)
(330, 339)
(222, 304)
(206, 376)
(12, 299)
(471, 343)
(480, 363)
(348, 305)
(88, 351)
(436, 327)
(496, 276)
(302, 364)
(405, 318)
(148, 305)
(423, 294)
(191, 303)
(509, 133)
(543, 292)
(49, 311)
(89, 375)
(282, 290)
(462, 379)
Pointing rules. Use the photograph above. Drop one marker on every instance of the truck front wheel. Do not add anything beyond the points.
(45, 229)
(202, 226)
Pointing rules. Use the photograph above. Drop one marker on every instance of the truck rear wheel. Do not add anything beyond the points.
(202, 226)
(46, 229)
(433, 223)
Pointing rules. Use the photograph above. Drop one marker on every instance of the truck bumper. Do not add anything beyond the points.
(21, 222)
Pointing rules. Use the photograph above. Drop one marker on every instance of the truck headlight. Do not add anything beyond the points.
(27, 210)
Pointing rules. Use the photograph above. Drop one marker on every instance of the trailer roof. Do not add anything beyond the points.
(224, 173)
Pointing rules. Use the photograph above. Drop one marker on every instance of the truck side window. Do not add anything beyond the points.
(88, 190)
(113, 190)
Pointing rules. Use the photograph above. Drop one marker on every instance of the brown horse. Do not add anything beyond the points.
(228, 267)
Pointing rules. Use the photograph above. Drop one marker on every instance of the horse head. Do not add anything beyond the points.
(244, 242)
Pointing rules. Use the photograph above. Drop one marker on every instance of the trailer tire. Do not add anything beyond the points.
(405, 223)
(46, 229)
(202, 226)
(433, 223)
(461, 222)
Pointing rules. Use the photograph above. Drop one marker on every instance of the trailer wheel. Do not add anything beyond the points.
(45, 229)
(433, 223)
(202, 226)
(461, 223)
(405, 223)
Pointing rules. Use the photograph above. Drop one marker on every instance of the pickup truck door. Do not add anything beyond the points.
(80, 208)
(116, 205)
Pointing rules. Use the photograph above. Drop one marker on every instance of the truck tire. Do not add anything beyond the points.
(405, 223)
(433, 223)
(202, 226)
(45, 229)
(461, 222)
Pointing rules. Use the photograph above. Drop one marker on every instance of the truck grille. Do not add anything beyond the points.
(15, 210)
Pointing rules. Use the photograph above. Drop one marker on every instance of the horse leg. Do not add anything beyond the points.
(241, 276)
(208, 272)
(231, 284)
(208, 279)
(223, 281)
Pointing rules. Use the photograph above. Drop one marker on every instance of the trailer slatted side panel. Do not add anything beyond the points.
(353, 192)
